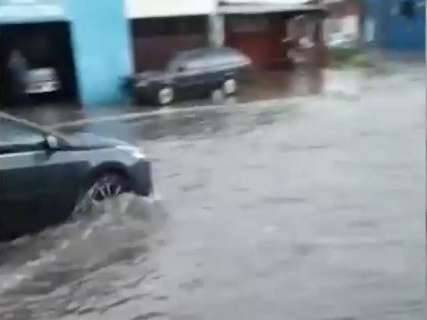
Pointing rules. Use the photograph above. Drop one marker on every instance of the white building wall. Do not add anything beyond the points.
(168, 8)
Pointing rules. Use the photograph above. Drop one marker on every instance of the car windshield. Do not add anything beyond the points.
(13, 134)
(177, 62)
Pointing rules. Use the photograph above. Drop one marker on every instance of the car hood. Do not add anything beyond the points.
(92, 141)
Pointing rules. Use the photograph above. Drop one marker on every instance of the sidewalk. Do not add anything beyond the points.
(262, 88)
(53, 114)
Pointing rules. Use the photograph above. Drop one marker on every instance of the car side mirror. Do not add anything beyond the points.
(52, 142)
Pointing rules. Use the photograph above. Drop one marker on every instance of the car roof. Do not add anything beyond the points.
(208, 52)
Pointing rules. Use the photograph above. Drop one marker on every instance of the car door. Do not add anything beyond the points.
(189, 74)
(29, 180)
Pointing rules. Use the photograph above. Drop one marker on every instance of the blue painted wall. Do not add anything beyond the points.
(394, 31)
(101, 49)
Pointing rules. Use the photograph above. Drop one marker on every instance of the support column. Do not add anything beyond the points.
(216, 30)
(102, 50)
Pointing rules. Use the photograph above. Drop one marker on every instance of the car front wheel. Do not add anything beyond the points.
(229, 87)
(165, 96)
(103, 191)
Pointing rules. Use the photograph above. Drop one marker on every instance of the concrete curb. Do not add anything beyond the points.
(172, 111)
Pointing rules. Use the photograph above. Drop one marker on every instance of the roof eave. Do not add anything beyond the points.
(267, 8)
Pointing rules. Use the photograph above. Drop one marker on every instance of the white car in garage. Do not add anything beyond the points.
(42, 80)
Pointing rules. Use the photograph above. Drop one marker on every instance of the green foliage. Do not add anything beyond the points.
(350, 57)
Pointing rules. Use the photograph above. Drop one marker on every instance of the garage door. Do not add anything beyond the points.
(259, 37)
(156, 40)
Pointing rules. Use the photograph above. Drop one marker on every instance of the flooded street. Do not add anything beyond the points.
(300, 209)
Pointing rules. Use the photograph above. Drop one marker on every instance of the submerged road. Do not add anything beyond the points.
(303, 211)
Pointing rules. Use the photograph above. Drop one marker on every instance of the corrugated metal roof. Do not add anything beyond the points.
(266, 6)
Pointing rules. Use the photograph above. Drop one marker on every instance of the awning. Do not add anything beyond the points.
(15, 11)
(267, 6)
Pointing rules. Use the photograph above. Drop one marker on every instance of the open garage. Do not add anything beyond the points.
(46, 58)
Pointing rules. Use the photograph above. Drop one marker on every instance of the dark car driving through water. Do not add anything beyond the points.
(46, 176)
(198, 70)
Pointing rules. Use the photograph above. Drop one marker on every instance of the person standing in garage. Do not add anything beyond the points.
(18, 71)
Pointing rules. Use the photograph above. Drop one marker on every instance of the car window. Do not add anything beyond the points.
(176, 63)
(206, 58)
(196, 64)
(214, 61)
(188, 60)
(18, 137)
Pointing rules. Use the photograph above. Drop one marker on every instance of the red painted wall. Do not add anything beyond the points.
(263, 46)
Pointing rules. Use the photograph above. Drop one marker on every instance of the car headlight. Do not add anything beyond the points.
(142, 83)
(133, 151)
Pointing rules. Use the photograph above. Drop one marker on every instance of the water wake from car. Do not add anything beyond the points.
(117, 234)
